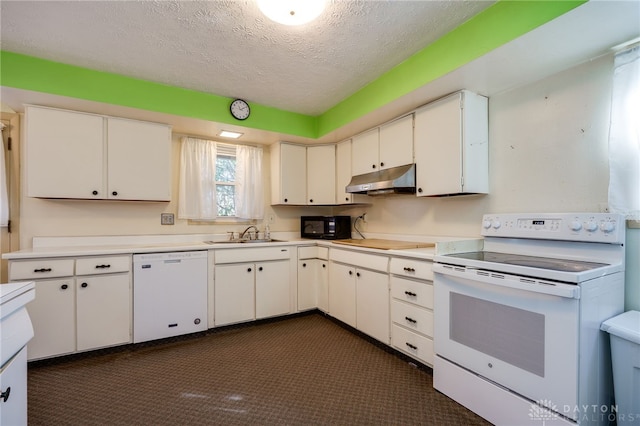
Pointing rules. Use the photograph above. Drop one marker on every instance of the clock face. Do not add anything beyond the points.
(240, 109)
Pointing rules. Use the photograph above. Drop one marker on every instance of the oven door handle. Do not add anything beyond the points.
(570, 291)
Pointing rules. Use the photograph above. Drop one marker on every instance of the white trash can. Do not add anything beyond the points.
(624, 331)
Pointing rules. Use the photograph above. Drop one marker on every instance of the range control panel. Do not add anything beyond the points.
(588, 227)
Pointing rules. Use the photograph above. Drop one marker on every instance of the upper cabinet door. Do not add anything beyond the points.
(451, 146)
(343, 172)
(138, 160)
(364, 151)
(396, 143)
(64, 154)
(288, 174)
(321, 174)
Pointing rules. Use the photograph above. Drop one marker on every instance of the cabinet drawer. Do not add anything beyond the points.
(251, 254)
(412, 291)
(313, 252)
(412, 343)
(41, 268)
(412, 317)
(102, 265)
(363, 260)
(413, 268)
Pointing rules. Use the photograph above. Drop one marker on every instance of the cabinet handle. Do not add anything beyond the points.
(311, 200)
(414, 347)
(84, 285)
(95, 192)
(420, 190)
(103, 266)
(5, 395)
(304, 265)
(411, 320)
(114, 193)
(248, 269)
(373, 166)
(260, 268)
(286, 200)
(324, 265)
(409, 269)
(382, 164)
(357, 274)
(408, 293)
(42, 270)
(350, 272)
(64, 286)
(346, 198)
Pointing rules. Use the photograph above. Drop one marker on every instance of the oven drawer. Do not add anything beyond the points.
(412, 268)
(411, 343)
(412, 291)
(412, 317)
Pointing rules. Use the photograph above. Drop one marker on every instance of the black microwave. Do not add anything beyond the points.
(325, 227)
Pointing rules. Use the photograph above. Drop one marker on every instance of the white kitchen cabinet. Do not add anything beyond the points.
(359, 291)
(234, 293)
(272, 288)
(88, 310)
(77, 155)
(321, 174)
(372, 304)
(313, 278)
(139, 160)
(384, 147)
(412, 308)
(452, 146)
(252, 283)
(364, 152)
(342, 293)
(53, 316)
(13, 385)
(288, 174)
(103, 311)
(343, 172)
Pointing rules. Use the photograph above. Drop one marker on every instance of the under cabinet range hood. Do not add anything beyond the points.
(396, 180)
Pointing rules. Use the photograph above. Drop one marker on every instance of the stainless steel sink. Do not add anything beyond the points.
(260, 240)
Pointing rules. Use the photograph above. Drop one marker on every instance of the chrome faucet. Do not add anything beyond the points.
(246, 230)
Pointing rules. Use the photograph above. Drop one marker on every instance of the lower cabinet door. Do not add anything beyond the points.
(103, 310)
(323, 285)
(52, 314)
(372, 304)
(272, 289)
(307, 284)
(234, 298)
(342, 293)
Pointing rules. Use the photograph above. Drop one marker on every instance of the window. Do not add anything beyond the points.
(226, 180)
(220, 180)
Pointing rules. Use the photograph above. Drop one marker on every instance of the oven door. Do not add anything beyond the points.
(515, 331)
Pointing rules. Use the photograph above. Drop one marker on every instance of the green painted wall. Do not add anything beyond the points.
(497, 25)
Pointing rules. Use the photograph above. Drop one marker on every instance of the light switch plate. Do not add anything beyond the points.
(166, 218)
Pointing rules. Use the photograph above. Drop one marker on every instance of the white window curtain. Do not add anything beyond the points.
(4, 198)
(249, 184)
(197, 191)
(624, 135)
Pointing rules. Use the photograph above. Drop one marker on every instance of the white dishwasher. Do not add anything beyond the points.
(169, 294)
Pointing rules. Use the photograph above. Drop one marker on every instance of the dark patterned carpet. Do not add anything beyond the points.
(304, 370)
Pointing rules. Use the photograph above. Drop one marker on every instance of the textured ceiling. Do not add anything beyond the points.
(229, 48)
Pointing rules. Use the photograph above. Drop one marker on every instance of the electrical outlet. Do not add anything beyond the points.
(166, 218)
(604, 207)
(364, 217)
(272, 218)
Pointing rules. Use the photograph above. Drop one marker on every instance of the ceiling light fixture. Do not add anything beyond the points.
(229, 134)
(291, 12)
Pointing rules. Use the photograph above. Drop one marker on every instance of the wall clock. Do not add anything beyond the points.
(240, 109)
